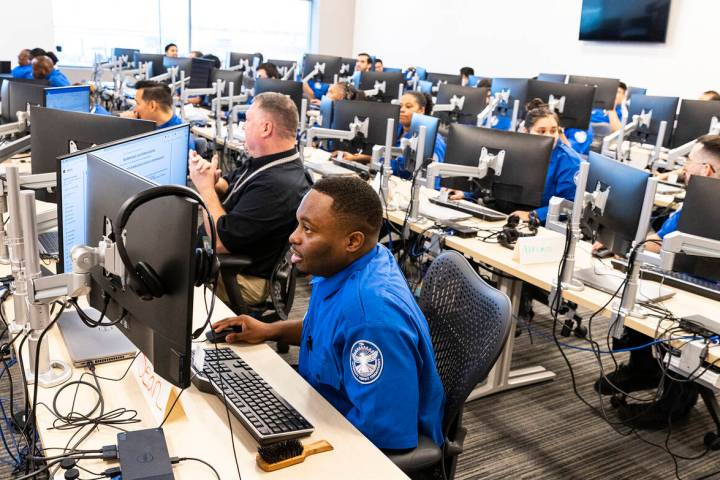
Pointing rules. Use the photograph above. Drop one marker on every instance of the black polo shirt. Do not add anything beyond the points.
(261, 215)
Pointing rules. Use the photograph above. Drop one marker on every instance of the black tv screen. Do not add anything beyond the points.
(623, 20)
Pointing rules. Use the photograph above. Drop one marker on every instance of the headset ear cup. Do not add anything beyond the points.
(200, 268)
(149, 285)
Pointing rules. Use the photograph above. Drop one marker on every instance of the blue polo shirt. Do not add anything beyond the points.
(670, 225)
(366, 349)
(599, 115)
(175, 120)
(22, 71)
(560, 179)
(58, 79)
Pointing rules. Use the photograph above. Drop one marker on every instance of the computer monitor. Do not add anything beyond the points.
(522, 180)
(605, 89)
(475, 100)
(130, 52)
(347, 66)
(377, 114)
(284, 66)
(198, 69)
(58, 132)
(662, 108)
(292, 89)
(552, 77)
(516, 89)
(332, 67)
(5, 66)
(160, 156)
(697, 218)
(439, 78)
(326, 111)
(616, 228)
(20, 94)
(431, 125)
(234, 76)
(578, 101)
(160, 328)
(392, 81)
(694, 120)
(73, 99)
(155, 60)
(635, 91)
(253, 59)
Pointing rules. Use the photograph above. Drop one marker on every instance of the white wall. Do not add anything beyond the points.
(333, 22)
(25, 24)
(521, 38)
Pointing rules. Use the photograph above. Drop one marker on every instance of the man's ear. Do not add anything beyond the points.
(354, 241)
(267, 129)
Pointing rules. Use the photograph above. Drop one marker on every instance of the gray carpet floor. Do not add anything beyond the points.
(544, 431)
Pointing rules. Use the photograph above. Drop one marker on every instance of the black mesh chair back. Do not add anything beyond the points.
(469, 323)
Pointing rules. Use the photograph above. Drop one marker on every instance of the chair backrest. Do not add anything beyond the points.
(469, 323)
(282, 285)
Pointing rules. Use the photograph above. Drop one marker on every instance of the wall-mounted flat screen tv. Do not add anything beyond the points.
(625, 20)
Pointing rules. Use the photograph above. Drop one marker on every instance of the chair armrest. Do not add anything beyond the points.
(234, 261)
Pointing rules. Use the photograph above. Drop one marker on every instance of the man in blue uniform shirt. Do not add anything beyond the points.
(43, 67)
(24, 67)
(364, 343)
(153, 101)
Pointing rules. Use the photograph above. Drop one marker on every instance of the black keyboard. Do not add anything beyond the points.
(471, 208)
(49, 243)
(263, 412)
(682, 281)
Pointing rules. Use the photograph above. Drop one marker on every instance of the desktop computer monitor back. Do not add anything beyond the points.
(617, 227)
(697, 217)
(160, 156)
(19, 93)
(345, 112)
(254, 59)
(5, 66)
(156, 62)
(605, 89)
(663, 109)
(552, 77)
(475, 102)
(694, 120)
(161, 328)
(234, 76)
(517, 90)
(347, 66)
(522, 181)
(198, 69)
(578, 101)
(59, 132)
(332, 67)
(287, 87)
(75, 98)
(392, 80)
(440, 78)
(284, 66)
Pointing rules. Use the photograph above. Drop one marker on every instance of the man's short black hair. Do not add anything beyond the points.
(712, 95)
(354, 202)
(367, 55)
(167, 47)
(378, 60)
(467, 71)
(623, 86)
(157, 91)
(711, 143)
(37, 52)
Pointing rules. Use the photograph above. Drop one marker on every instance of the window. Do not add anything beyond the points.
(84, 28)
(279, 29)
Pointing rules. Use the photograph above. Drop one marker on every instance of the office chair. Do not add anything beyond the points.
(282, 287)
(469, 323)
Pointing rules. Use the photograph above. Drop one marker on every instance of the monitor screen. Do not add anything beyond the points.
(160, 156)
(620, 20)
(73, 99)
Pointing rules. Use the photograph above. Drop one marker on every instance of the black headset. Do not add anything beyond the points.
(143, 279)
(510, 232)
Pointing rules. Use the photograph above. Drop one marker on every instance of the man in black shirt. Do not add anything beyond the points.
(254, 207)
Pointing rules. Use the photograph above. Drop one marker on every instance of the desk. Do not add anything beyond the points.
(208, 133)
(542, 275)
(204, 432)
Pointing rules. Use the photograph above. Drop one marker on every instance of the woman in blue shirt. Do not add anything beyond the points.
(564, 161)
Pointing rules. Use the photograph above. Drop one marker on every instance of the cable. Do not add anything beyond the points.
(183, 459)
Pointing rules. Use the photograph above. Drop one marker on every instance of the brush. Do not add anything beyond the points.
(288, 452)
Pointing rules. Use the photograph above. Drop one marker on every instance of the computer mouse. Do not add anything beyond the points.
(219, 337)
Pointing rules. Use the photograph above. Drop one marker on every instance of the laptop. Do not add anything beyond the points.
(97, 345)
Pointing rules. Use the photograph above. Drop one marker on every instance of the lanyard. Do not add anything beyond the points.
(246, 178)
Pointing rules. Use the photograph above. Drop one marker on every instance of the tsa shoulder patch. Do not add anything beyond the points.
(366, 361)
(581, 136)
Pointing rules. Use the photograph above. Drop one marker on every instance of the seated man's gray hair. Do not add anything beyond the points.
(282, 110)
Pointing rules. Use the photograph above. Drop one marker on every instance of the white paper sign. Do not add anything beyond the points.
(543, 248)
(158, 393)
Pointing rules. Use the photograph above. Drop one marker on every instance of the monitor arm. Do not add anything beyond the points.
(456, 104)
(377, 89)
(288, 75)
(355, 128)
(486, 162)
(185, 93)
(21, 126)
(684, 243)
(486, 116)
(319, 68)
(556, 104)
(244, 65)
(435, 88)
(618, 136)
